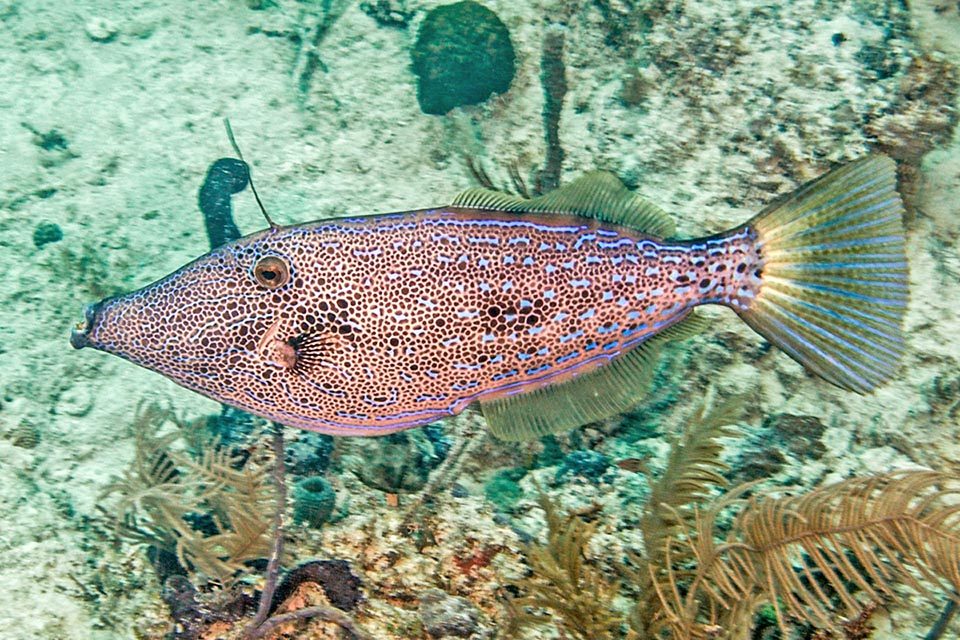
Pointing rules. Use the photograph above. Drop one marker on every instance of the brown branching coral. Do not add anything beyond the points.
(580, 593)
(817, 556)
(825, 558)
(215, 511)
(693, 468)
(565, 582)
(166, 494)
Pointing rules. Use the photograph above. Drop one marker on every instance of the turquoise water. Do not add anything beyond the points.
(111, 116)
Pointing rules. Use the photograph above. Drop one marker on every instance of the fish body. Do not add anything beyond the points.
(370, 325)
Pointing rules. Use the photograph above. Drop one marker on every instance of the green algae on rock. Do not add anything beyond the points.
(463, 54)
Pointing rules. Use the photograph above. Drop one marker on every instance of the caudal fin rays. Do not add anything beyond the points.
(835, 280)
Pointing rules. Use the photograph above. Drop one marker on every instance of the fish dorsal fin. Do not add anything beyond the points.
(603, 393)
(597, 194)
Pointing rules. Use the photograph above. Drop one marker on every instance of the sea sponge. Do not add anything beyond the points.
(313, 501)
(45, 233)
(462, 55)
(225, 177)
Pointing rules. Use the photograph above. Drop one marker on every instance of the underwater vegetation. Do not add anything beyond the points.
(704, 563)
(553, 81)
(463, 54)
(564, 583)
(701, 566)
(553, 78)
(819, 555)
(45, 233)
(717, 568)
(203, 505)
(211, 515)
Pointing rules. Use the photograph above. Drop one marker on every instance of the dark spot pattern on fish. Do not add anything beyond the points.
(374, 324)
(450, 306)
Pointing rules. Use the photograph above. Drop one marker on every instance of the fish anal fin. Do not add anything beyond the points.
(613, 388)
(597, 194)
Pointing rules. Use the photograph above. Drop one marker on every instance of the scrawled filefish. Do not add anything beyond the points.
(546, 311)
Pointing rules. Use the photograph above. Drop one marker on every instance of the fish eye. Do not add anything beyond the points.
(271, 272)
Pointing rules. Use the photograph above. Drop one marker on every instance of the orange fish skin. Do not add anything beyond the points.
(370, 325)
(389, 322)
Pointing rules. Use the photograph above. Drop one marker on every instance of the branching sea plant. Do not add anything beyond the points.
(826, 558)
(694, 468)
(817, 557)
(563, 580)
(580, 593)
(215, 510)
(266, 620)
(210, 509)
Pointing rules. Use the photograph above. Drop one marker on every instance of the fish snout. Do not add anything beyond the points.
(80, 335)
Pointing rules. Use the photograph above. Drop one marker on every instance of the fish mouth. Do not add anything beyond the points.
(80, 335)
